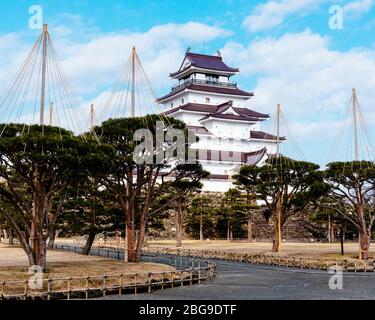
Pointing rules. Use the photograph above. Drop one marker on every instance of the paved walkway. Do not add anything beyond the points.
(240, 281)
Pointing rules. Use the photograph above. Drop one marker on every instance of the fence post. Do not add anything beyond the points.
(149, 283)
(120, 290)
(87, 287)
(105, 285)
(191, 277)
(135, 284)
(162, 281)
(49, 289)
(69, 287)
(26, 289)
(182, 278)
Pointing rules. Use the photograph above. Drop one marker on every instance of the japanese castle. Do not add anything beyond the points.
(214, 108)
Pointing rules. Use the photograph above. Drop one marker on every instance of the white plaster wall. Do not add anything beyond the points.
(216, 143)
(195, 97)
(223, 79)
(217, 186)
(219, 168)
(230, 129)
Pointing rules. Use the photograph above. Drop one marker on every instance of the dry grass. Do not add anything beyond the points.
(62, 265)
(308, 250)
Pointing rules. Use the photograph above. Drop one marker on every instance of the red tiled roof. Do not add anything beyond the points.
(212, 89)
(206, 62)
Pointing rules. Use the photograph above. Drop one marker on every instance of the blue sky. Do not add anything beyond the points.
(285, 49)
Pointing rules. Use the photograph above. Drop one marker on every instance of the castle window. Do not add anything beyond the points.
(171, 105)
(208, 100)
(212, 78)
(182, 101)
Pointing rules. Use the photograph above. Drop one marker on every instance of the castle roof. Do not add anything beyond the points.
(193, 86)
(219, 111)
(202, 61)
(259, 135)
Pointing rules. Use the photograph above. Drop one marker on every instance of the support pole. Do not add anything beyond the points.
(133, 83)
(44, 68)
(279, 201)
(201, 238)
(50, 116)
(355, 124)
(92, 116)
(132, 114)
(278, 111)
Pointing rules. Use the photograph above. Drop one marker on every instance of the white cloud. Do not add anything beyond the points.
(93, 61)
(358, 7)
(273, 13)
(312, 82)
(160, 50)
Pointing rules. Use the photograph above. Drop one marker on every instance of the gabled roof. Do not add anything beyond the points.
(210, 89)
(203, 61)
(237, 114)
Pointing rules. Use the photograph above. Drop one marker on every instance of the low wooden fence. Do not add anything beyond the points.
(187, 272)
(346, 265)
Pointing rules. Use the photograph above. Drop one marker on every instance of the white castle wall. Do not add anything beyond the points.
(238, 132)
(195, 97)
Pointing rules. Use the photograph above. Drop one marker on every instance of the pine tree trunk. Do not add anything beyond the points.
(250, 227)
(132, 255)
(329, 233)
(364, 245)
(89, 242)
(11, 242)
(141, 238)
(228, 231)
(201, 236)
(179, 227)
(276, 240)
(52, 236)
(277, 226)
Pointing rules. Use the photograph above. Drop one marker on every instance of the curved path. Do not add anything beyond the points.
(242, 281)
